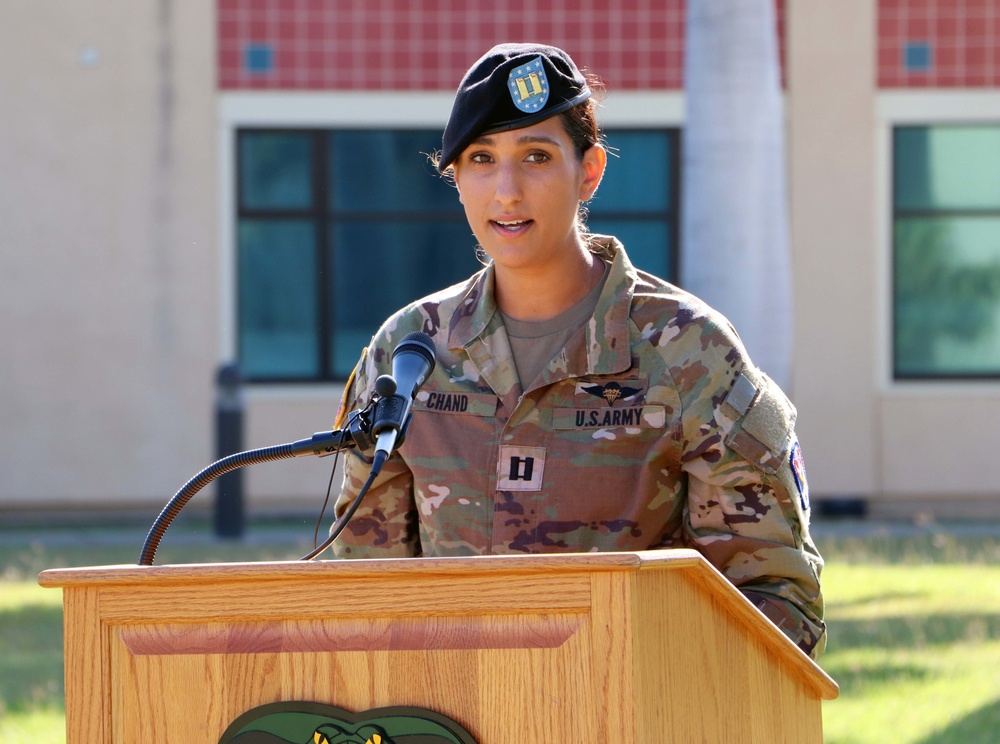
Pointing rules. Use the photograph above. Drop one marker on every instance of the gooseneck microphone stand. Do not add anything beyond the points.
(383, 422)
(356, 434)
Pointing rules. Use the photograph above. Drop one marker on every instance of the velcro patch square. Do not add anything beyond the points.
(520, 468)
(743, 394)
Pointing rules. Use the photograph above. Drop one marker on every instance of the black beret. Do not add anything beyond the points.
(510, 87)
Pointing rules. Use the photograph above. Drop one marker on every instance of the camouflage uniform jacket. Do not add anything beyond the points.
(651, 429)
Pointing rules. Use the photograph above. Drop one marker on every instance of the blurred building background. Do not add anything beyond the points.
(185, 185)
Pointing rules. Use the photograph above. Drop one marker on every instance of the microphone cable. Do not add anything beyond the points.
(341, 523)
(326, 500)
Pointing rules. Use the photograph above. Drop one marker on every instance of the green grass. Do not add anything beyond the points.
(32, 694)
(914, 639)
(914, 627)
(31, 664)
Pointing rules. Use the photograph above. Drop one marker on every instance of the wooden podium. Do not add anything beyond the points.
(650, 647)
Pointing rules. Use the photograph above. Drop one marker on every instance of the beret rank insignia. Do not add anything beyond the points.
(529, 86)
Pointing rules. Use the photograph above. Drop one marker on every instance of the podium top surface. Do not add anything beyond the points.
(292, 570)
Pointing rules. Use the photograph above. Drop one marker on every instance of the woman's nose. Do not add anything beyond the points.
(508, 184)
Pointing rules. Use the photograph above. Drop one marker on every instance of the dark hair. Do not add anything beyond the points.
(580, 122)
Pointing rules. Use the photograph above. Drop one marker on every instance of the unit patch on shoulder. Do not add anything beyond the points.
(798, 465)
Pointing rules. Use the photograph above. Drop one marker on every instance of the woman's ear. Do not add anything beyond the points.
(454, 180)
(595, 159)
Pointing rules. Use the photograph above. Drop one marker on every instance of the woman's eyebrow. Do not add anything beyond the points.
(537, 139)
(527, 139)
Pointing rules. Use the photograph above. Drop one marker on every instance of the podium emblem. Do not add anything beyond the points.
(315, 723)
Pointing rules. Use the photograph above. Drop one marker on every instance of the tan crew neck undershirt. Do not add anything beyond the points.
(535, 343)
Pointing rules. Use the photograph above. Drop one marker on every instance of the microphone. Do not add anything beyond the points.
(412, 364)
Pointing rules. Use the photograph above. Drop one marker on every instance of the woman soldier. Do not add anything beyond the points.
(578, 404)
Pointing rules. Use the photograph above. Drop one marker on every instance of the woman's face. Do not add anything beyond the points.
(521, 190)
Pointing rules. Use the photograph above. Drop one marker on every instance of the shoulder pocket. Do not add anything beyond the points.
(763, 435)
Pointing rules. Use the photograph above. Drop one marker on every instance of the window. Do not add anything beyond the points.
(639, 200)
(336, 229)
(946, 252)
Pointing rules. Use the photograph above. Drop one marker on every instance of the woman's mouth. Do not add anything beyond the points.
(512, 226)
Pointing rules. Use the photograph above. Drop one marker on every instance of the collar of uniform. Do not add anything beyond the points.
(474, 311)
(608, 345)
(608, 350)
(477, 328)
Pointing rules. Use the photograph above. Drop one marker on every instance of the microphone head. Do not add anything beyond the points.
(413, 360)
(418, 342)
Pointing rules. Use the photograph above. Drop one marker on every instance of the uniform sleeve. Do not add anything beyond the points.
(385, 524)
(748, 502)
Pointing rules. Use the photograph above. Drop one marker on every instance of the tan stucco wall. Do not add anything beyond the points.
(831, 113)
(108, 282)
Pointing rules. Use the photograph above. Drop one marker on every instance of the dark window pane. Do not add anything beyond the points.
(646, 242)
(275, 170)
(947, 296)
(911, 171)
(381, 266)
(946, 167)
(638, 178)
(386, 171)
(277, 299)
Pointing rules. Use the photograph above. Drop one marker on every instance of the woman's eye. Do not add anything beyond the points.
(480, 157)
(537, 157)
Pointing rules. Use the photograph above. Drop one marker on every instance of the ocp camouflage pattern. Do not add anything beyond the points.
(651, 429)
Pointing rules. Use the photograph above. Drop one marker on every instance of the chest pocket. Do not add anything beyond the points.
(456, 402)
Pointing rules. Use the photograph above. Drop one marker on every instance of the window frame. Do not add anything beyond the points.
(914, 108)
(897, 213)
